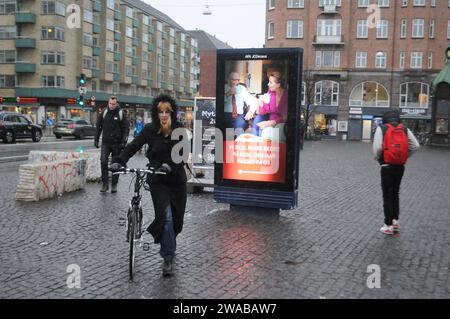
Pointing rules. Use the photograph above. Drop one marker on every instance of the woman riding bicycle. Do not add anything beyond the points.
(168, 191)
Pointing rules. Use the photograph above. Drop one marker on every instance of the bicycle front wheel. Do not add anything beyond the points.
(133, 240)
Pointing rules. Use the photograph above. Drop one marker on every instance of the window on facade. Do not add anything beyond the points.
(7, 56)
(419, 3)
(87, 62)
(88, 16)
(430, 59)
(380, 60)
(129, 32)
(383, 3)
(145, 37)
(382, 29)
(7, 81)
(53, 7)
(327, 93)
(129, 12)
(328, 59)
(417, 28)
(361, 60)
(296, 4)
(110, 45)
(431, 30)
(88, 39)
(109, 67)
(369, 94)
(8, 32)
(402, 60)
(52, 33)
(414, 95)
(271, 30)
(404, 3)
(294, 29)
(416, 60)
(8, 6)
(51, 57)
(52, 81)
(110, 4)
(110, 24)
(128, 51)
(271, 4)
(403, 28)
(362, 29)
(329, 27)
(145, 20)
(363, 3)
(323, 3)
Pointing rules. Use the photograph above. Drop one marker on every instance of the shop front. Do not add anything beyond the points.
(325, 121)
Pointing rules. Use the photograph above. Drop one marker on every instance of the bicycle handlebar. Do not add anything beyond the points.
(138, 170)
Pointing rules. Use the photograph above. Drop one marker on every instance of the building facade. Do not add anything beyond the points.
(207, 48)
(123, 47)
(363, 56)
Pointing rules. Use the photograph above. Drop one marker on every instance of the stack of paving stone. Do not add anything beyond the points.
(51, 179)
(93, 171)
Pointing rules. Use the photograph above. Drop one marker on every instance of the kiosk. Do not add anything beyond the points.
(258, 127)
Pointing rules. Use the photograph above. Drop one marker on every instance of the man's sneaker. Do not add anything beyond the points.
(114, 188)
(167, 268)
(396, 225)
(388, 230)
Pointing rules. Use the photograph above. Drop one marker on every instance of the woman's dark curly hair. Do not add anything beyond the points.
(164, 98)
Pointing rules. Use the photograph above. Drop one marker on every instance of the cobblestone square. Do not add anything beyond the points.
(322, 249)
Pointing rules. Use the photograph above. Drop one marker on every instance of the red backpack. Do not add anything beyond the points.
(395, 144)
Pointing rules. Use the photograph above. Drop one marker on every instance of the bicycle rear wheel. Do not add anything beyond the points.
(134, 235)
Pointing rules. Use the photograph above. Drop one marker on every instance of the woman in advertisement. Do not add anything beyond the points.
(273, 106)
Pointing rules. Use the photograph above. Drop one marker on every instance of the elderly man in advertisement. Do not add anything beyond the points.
(273, 106)
(236, 97)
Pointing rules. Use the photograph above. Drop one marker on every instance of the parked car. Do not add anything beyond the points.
(79, 128)
(14, 126)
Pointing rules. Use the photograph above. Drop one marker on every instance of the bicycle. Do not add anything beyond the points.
(134, 213)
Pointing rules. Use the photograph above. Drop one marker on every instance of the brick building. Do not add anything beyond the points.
(360, 63)
(207, 48)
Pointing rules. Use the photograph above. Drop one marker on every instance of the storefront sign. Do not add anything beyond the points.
(204, 129)
(414, 111)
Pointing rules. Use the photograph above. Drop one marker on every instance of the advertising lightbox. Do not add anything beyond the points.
(258, 115)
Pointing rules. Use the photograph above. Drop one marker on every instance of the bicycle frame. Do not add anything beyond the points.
(134, 214)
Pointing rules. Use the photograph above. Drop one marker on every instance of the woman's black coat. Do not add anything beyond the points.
(165, 190)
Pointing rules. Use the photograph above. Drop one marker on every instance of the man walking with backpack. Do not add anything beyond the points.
(114, 127)
(392, 145)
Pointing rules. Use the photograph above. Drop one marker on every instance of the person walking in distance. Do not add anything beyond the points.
(168, 191)
(114, 127)
(392, 146)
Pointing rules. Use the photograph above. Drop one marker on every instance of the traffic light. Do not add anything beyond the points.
(80, 101)
(82, 81)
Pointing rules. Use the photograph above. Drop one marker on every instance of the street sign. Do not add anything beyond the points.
(82, 90)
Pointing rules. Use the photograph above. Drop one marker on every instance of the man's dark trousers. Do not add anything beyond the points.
(391, 178)
(106, 150)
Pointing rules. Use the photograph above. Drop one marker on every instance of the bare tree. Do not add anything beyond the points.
(309, 91)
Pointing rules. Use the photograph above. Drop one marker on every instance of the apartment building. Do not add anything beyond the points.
(123, 47)
(363, 56)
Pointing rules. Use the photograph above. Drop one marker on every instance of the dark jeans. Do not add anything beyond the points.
(168, 240)
(106, 150)
(391, 178)
(239, 123)
(258, 119)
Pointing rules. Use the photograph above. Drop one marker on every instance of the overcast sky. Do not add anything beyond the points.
(240, 23)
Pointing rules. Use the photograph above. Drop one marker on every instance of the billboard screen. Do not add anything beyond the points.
(258, 114)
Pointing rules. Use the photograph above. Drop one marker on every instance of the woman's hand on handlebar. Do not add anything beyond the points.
(115, 167)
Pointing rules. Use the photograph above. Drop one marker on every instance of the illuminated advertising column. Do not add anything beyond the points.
(258, 116)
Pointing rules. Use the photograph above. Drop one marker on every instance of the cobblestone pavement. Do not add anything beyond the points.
(322, 249)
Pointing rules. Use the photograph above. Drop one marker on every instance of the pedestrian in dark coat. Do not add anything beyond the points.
(168, 191)
(114, 127)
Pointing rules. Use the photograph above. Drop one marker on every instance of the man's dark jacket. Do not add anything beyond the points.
(115, 130)
(165, 189)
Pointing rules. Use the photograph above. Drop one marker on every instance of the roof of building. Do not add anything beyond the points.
(154, 13)
(207, 41)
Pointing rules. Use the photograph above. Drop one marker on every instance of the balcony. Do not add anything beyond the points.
(117, 36)
(25, 67)
(96, 51)
(151, 47)
(25, 17)
(117, 15)
(116, 77)
(136, 23)
(329, 9)
(328, 40)
(96, 6)
(96, 28)
(117, 56)
(149, 83)
(135, 42)
(25, 42)
(134, 61)
(151, 29)
(135, 80)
